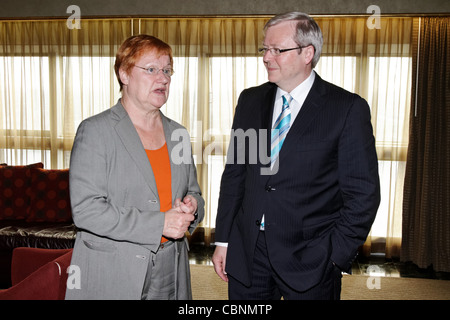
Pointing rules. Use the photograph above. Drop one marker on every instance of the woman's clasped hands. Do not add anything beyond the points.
(179, 217)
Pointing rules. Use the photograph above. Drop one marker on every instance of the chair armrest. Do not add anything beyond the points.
(26, 260)
(46, 283)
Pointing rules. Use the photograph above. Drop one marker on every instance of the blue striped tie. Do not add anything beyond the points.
(280, 128)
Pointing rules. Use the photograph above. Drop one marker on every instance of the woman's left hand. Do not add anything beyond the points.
(188, 205)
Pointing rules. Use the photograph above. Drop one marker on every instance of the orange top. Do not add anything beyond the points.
(160, 162)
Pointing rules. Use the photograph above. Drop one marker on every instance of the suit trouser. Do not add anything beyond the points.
(160, 278)
(267, 285)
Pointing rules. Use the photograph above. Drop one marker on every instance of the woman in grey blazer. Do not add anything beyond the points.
(133, 187)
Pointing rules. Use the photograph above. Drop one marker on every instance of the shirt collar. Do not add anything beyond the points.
(300, 92)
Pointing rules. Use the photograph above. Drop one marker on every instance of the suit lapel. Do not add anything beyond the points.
(309, 110)
(174, 169)
(267, 109)
(266, 125)
(132, 143)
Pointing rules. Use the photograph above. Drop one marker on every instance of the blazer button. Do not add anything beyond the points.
(269, 189)
(258, 223)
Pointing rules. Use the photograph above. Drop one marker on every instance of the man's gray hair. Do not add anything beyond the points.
(308, 31)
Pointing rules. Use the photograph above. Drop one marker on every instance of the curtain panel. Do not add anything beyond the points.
(52, 77)
(426, 206)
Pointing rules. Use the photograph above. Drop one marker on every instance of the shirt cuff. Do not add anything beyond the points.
(221, 244)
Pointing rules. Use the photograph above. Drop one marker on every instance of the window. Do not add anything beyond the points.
(52, 78)
(392, 94)
(87, 86)
(24, 97)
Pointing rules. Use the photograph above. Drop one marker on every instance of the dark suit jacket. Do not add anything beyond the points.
(321, 203)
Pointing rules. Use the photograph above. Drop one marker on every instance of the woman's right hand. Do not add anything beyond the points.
(176, 223)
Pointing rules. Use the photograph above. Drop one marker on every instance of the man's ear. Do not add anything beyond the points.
(309, 53)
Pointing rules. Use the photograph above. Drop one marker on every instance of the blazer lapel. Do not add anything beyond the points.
(309, 110)
(266, 125)
(132, 143)
(267, 109)
(174, 169)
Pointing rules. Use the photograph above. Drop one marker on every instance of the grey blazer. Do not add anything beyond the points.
(115, 206)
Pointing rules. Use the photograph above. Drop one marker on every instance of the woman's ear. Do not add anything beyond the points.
(124, 76)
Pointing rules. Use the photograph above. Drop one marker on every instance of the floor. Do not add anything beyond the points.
(376, 265)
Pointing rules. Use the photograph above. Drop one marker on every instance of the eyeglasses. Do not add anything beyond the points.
(153, 71)
(277, 51)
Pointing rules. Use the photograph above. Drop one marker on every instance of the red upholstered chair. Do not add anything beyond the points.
(38, 274)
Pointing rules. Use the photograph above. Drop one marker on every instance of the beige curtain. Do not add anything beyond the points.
(52, 77)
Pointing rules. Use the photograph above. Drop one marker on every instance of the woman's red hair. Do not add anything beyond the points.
(132, 49)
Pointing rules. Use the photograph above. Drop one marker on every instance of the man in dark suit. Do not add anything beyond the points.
(289, 225)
